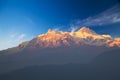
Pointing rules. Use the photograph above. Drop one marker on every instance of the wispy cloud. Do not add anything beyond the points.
(56, 29)
(12, 35)
(12, 40)
(73, 28)
(107, 17)
(15, 38)
(20, 37)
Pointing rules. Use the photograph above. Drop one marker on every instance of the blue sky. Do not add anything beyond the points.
(22, 20)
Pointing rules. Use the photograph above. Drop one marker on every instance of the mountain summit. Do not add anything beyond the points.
(84, 36)
(59, 48)
(86, 30)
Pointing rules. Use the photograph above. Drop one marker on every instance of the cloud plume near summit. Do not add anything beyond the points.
(109, 16)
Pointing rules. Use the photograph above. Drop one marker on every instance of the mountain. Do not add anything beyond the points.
(57, 48)
(83, 36)
(53, 39)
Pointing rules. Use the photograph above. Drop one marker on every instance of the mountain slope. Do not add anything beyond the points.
(57, 47)
(54, 39)
(104, 67)
(83, 36)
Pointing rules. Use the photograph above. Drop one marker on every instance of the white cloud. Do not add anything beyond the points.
(12, 40)
(73, 28)
(116, 19)
(56, 29)
(13, 35)
(20, 37)
(107, 17)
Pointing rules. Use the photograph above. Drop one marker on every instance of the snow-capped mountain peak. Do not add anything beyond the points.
(84, 36)
(86, 30)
